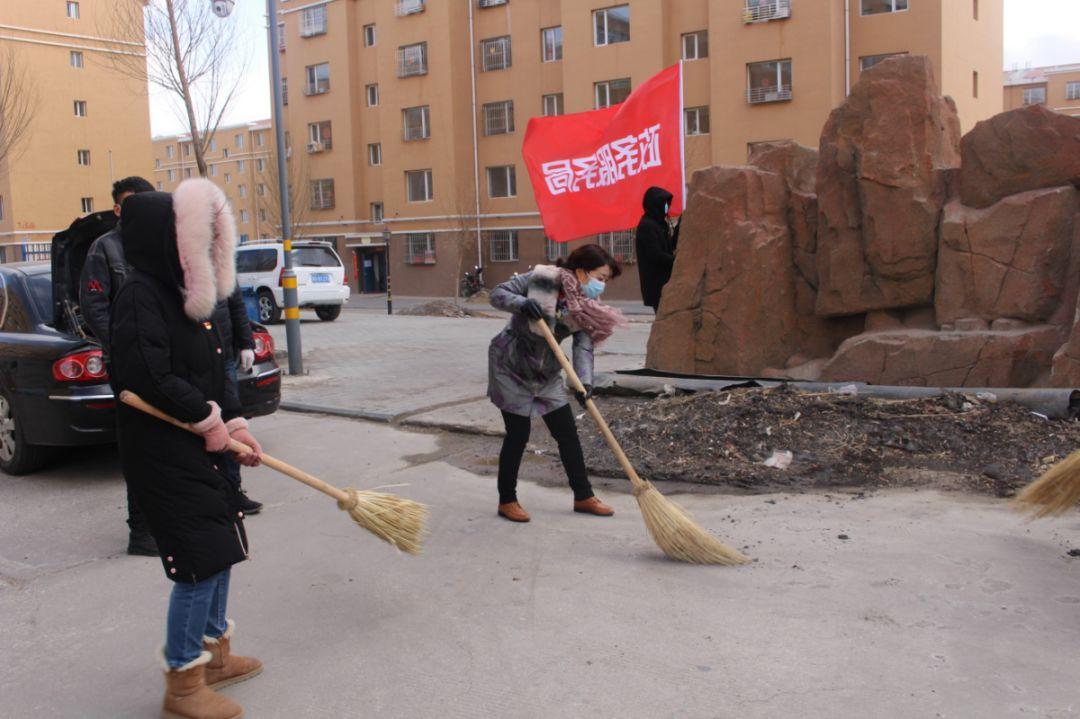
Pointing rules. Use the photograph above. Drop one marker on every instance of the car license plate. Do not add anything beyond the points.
(320, 277)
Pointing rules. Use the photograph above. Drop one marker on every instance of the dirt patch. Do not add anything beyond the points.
(442, 308)
(950, 442)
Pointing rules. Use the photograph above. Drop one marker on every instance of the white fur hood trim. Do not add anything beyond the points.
(206, 244)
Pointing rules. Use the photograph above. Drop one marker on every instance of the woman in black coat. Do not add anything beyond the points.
(655, 246)
(181, 251)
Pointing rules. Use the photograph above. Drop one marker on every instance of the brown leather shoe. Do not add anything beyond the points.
(188, 697)
(593, 505)
(226, 668)
(514, 512)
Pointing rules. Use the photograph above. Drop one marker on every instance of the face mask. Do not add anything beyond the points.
(593, 288)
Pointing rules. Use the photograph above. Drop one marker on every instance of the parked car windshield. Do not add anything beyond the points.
(256, 260)
(315, 257)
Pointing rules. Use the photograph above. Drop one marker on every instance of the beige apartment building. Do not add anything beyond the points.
(241, 161)
(1056, 86)
(427, 102)
(91, 125)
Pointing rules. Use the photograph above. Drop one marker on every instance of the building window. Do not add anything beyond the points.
(213, 170)
(499, 117)
(73, 10)
(420, 248)
(187, 172)
(322, 194)
(281, 36)
(868, 61)
(87, 202)
(492, 3)
(170, 151)
(1035, 95)
(768, 81)
(318, 79)
(260, 190)
(551, 44)
(974, 83)
(319, 136)
(876, 7)
(372, 92)
(82, 157)
(262, 215)
(260, 165)
(369, 36)
(374, 154)
(242, 189)
(619, 245)
(697, 121)
(975, 9)
(244, 238)
(553, 104)
(408, 7)
(76, 59)
(228, 178)
(502, 181)
(611, 92)
(171, 175)
(695, 45)
(416, 123)
(418, 185)
(159, 186)
(157, 164)
(243, 216)
(225, 152)
(555, 250)
(284, 91)
(376, 212)
(80, 108)
(1072, 91)
(259, 139)
(611, 25)
(213, 144)
(187, 149)
(240, 165)
(313, 21)
(238, 140)
(495, 53)
(412, 60)
(766, 10)
(502, 245)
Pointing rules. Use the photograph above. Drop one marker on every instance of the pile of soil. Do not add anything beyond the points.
(441, 308)
(951, 441)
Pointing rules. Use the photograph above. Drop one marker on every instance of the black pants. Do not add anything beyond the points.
(562, 427)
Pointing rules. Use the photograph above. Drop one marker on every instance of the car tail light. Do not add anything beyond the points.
(80, 367)
(264, 346)
(281, 278)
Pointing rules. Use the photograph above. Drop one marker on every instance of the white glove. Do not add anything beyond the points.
(247, 359)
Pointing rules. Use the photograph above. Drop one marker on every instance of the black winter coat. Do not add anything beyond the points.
(102, 276)
(231, 320)
(655, 246)
(175, 364)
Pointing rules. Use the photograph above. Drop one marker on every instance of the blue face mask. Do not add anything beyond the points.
(593, 288)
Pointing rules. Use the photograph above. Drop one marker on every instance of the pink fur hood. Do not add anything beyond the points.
(206, 243)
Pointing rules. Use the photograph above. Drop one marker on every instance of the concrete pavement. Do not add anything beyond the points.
(937, 605)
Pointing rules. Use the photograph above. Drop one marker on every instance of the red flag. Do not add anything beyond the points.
(590, 170)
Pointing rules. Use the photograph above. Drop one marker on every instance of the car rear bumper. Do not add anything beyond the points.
(260, 390)
(67, 417)
(316, 294)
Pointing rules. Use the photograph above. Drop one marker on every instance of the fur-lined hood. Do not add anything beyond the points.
(186, 240)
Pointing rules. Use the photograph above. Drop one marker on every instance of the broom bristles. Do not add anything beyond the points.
(678, 535)
(397, 521)
(1054, 493)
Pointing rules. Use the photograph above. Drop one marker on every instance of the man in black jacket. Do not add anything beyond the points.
(655, 245)
(102, 275)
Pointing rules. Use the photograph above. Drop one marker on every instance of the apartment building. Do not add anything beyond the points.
(241, 160)
(91, 125)
(428, 101)
(1056, 86)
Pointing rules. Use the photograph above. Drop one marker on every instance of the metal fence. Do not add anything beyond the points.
(26, 252)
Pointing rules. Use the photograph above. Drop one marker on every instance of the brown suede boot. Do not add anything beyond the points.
(514, 512)
(593, 505)
(188, 697)
(226, 668)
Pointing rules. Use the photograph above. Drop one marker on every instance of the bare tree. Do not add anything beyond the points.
(298, 178)
(18, 104)
(191, 54)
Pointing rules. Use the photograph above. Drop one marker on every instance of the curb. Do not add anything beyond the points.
(385, 418)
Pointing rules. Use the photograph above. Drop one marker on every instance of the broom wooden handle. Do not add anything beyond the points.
(133, 400)
(624, 461)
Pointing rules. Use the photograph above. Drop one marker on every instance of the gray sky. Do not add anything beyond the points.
(1039, 32)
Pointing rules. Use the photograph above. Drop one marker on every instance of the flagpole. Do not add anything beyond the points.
(682, 135)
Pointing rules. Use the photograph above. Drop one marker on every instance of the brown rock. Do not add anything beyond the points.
(881, 183)
(1008, 260)
(1024, 149)
(1008, 324)
(883, 321)
(946, 359)
(797, 163)
(1066, 368)
(971, 324)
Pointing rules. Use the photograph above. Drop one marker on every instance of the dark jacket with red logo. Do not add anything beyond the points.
(102, 275)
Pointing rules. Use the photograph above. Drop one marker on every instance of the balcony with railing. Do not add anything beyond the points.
(491, 3)
(766, 10)
(759, 95)
(408, 7)
(412, 60)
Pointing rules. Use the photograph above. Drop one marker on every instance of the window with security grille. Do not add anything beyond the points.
(418, 186)
(697, 120)
(553, 104)
(313, 21)
(320, 136)
(281, 36)
(284, 91)
(611, 25)
(695, 45)
(80, 108)
(1072, 91)
(502, 245)
(83, 157)
(416, 123)
(374, 154)
(555, 250)
(322, 194)
(876, 7)
(376, 212)
(768, 81)
(87, 204)
(318, 79)
(619, 245)
(412, 60)
(551, 44)
(611, 92)
(420, 248)
(1035, 95)
(495, 53)
(502, 181)
(372, 92)
(369, 36)
(499, 117)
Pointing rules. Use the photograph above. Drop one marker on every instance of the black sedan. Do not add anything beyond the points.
(54, 390)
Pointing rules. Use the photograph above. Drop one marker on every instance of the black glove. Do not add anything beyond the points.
(583, 397)
(532, 310)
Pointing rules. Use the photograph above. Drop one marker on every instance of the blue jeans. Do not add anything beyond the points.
(195, 610)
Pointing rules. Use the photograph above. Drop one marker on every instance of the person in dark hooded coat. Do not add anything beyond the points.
(655, 245)
(164, 347)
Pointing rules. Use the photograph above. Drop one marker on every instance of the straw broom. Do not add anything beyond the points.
(669, 525)
(1054, 493)
(398, 522)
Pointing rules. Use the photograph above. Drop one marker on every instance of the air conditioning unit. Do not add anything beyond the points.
(314, 147)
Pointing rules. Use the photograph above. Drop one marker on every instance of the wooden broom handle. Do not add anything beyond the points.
(133, 400)
(624, 461)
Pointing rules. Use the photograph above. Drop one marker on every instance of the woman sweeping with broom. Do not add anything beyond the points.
(524, 375)
(181, 251)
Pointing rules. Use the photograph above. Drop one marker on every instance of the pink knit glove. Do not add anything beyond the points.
(213, 430)
(238, 430)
